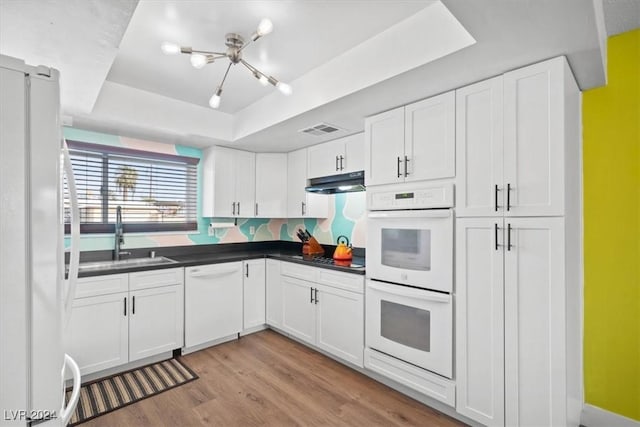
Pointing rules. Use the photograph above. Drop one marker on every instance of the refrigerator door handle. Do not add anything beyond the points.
(74, 260)
(67, 411)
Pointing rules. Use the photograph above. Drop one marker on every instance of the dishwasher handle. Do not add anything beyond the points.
(216, 273)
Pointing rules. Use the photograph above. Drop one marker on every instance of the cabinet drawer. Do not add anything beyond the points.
(156, 278)
(299, 271)
(102, 285)
(337, 279)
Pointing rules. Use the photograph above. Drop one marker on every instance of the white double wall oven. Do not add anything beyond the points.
(409, 302)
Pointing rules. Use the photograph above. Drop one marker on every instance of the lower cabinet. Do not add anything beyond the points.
(108, 329)
(213, 302)
(328, 317)
(340, 323)
(274, 293)
(97, 336)
(155, 321)
(298, 309)
(516, 323)
(253, 291)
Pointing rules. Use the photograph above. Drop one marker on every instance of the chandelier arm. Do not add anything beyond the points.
(206, 52)
(245, 45)
(252, 68)
(225, 75)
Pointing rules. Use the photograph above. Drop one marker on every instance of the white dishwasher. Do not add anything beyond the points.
(213, 303)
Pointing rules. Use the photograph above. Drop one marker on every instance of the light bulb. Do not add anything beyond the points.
(265, 27)
(170, 48)
(264, 80)
(214, 102)
(198, 60)
(284, 88)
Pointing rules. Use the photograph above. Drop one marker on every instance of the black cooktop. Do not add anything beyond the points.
(353, 265)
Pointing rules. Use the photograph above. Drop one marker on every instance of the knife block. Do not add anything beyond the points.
(312, 247)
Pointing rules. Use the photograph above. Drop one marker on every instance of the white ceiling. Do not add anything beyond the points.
(621, 16)
(306, 35)
(344, 59)
(80, 38)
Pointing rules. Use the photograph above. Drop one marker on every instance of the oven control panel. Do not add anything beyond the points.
(410, 197)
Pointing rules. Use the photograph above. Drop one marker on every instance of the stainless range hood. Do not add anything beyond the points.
(343, 183)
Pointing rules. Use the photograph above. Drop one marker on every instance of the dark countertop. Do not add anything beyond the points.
(186, 256)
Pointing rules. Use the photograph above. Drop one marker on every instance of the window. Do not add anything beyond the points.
(157, 192)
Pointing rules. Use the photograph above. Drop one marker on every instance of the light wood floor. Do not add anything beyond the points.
(268, 379)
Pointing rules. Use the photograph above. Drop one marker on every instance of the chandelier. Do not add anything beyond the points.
(235, 45)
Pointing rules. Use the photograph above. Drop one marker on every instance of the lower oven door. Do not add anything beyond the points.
(413, 325)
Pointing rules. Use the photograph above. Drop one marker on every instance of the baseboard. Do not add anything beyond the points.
(592, 416)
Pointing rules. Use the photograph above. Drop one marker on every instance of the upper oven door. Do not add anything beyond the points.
(411, 248)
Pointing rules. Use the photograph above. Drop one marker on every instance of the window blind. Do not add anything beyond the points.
(157, 192)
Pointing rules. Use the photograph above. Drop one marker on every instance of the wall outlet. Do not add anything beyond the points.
(252, 230)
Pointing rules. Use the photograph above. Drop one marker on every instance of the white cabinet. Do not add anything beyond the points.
(384, 147)
(120, 318)
(301, 204)
(327, 310)
(535, 323)
(340, 323)
(517, 142)
(228, 188)
(479, 129)
(274, 293)
(271, 181)
(480, 320)
(213, 302)
(253, 285)
(156, 321)
(513, 327)
(411, 143)
(298, 310)
(339, 156)
(97, 336)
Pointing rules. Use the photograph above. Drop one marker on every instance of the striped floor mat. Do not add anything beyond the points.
(108, 394)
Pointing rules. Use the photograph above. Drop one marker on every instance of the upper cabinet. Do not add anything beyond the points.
(271, 182)
(228, 188)
(516, 142)
(301, 204)
(411, 143)
(342, 155)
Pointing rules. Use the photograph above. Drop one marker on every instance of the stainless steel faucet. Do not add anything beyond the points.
(119, 236)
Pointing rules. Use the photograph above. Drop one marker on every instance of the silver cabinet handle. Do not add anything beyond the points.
(495, 228)
(311, 295)
(508, 197)
(406, 163)
(341, 163)
(234, 207)
(238, 208)
(246, 267)
(398, 167)
(125, 306)
(256, 208)
(337, 159)
(133, 305)
(316, 295)
(304, 205)
(495, 194)
(509, 237)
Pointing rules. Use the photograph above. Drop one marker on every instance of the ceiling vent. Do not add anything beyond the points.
(321, 129)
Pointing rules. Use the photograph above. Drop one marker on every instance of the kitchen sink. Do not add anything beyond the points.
(124, 263)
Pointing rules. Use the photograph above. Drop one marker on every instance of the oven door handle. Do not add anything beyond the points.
(403, 291)
(427, 213)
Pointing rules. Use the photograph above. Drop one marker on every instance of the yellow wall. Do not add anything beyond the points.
(611, 118)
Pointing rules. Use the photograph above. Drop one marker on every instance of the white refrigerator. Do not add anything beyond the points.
(35, 298)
